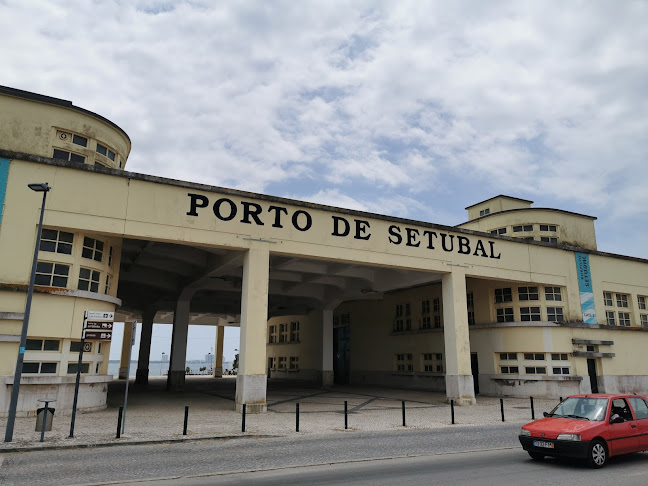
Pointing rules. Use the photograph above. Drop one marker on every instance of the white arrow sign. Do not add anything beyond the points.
(101, 316)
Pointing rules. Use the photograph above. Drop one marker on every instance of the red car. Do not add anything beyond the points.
(592, 427)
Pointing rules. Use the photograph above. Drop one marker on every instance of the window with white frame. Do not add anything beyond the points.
(42, 344)
(549, 239)
(103, 150)
(622, 300)
(508, 356)
(56, 241)
(610, 318)
(89, 279)
(509, 369)
(553, 293)
(282, 363)
(484, 212)
(437, 321)
(433, 362)
(499, 231)
(52, 274)
(529, 314)
(607, 299)
(503, 295)
(107, 287)
(294, 331)
(33, 367)
(528, 293)
(641, 302)
(92, 249)
(548, 227)
(525, 227)
(470, 304)
(403, 362)
(436, 305)
(624, 319)
(272, 362)
(535, 370)
(425, 306)
(294, 363)
(272, 334)
(560, 370)
(644, 320)
(68, 156)
(426, 322)
(559, 356)
(505, 314)
(555, 314)
(283, 333)
(534, 356)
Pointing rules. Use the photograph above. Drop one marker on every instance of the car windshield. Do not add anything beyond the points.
(586, 408)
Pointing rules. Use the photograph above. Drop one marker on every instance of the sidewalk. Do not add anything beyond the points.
(154, 414)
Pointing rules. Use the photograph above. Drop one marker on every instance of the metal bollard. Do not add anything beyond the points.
(44, 423)
(452, 411)
(532, 409)
(119, 421)
(296, 417)
(243, 420)
(502, 408)
(346, 419)
(403, 403)
(186, 420)
(561, 399)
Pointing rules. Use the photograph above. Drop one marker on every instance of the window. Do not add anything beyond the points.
(535, 370)
(272, 363)
(609, 318)
(484, 212)
(505, 314)
(426, 322)
(75, 347)
(644, 320)
(607, 299)
(282, 363)
(640, 407)
(548, 239)
(509, 370)
(508, 356)
(283, 333)
(545, 227)
(432, 363)
(471, 318)
(499, 231)
(294, 363)
(436, 305)
(42, 345)
(404, 362)
(624, 319)
(72, 367)
(399, 310)
(294, 332)
(92, 249)
(437, 322)
(105, 151)
(52, 274)
(517, 229)
(79, 140)
(622, 300)
(534, 356)
(35, 367)
(56, 241)
(89, 279)
(503, 295)
(107, 287)
(110, 256)
(345, 319)
(559, 356)
(272, 334)
(553, 293)
(555, 314)
(68, 156)
(528, 293)
(562, 370)
(526, 227)
(425, 307)
(529, 313)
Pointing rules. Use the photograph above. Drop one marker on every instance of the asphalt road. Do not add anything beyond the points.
(474, 455)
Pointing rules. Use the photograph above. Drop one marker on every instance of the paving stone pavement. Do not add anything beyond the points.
(154, 414)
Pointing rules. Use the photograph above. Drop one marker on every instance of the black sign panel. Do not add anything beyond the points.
(107, 326)
(99, 335)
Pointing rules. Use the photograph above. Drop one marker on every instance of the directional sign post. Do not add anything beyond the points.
(103, 323)
(130, 350)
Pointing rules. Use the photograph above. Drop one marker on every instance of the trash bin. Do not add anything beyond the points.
(40, 413)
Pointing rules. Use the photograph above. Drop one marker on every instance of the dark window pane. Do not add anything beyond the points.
(72, 367)
(94, 287)
(101, 149)
(61, 154)
(77, 158)
(84, 273)
(59, 282)
(83, 284)
(30, 368)
(556, 371)
(48, 368)
(61, 269)
(79, 140)
(47, 245)
(75, 346)
(88, 242)
(95, 276)
(111, 155)
(541, 369)
(65, 248)
(98, 256)
(66, 237)
(49, 234)
(528, 227)
(86, 253)
(42, 280)
(42, 267)
(51, 345)
(34, 344)
(99, 245)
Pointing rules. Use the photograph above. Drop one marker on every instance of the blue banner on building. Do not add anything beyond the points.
(585, 287)
(4, 175)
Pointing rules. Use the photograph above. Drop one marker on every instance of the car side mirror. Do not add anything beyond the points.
(546, 414)
(617, 420)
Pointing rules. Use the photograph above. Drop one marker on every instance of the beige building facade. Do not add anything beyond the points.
(516, 301)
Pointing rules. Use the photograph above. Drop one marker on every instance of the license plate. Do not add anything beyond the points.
(543, 443)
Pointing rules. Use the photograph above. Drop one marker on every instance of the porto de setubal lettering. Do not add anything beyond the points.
(247, 212)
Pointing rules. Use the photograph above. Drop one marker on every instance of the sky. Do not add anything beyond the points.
(414, 109)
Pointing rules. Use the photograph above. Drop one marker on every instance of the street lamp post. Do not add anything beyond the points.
(11, 418)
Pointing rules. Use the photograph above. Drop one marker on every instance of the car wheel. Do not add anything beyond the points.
(597, 455)
(536, 456)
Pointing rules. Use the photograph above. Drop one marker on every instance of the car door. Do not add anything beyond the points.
(640, 409)
(623, 436)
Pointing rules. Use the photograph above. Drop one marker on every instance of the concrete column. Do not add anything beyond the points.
(142, 374)
(459, 380)
(251, 382)
(218, 358)
(126, 342)
(178, 359)
(327, 347)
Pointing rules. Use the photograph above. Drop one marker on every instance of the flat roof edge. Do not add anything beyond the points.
(495, 197)
(593, 218)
